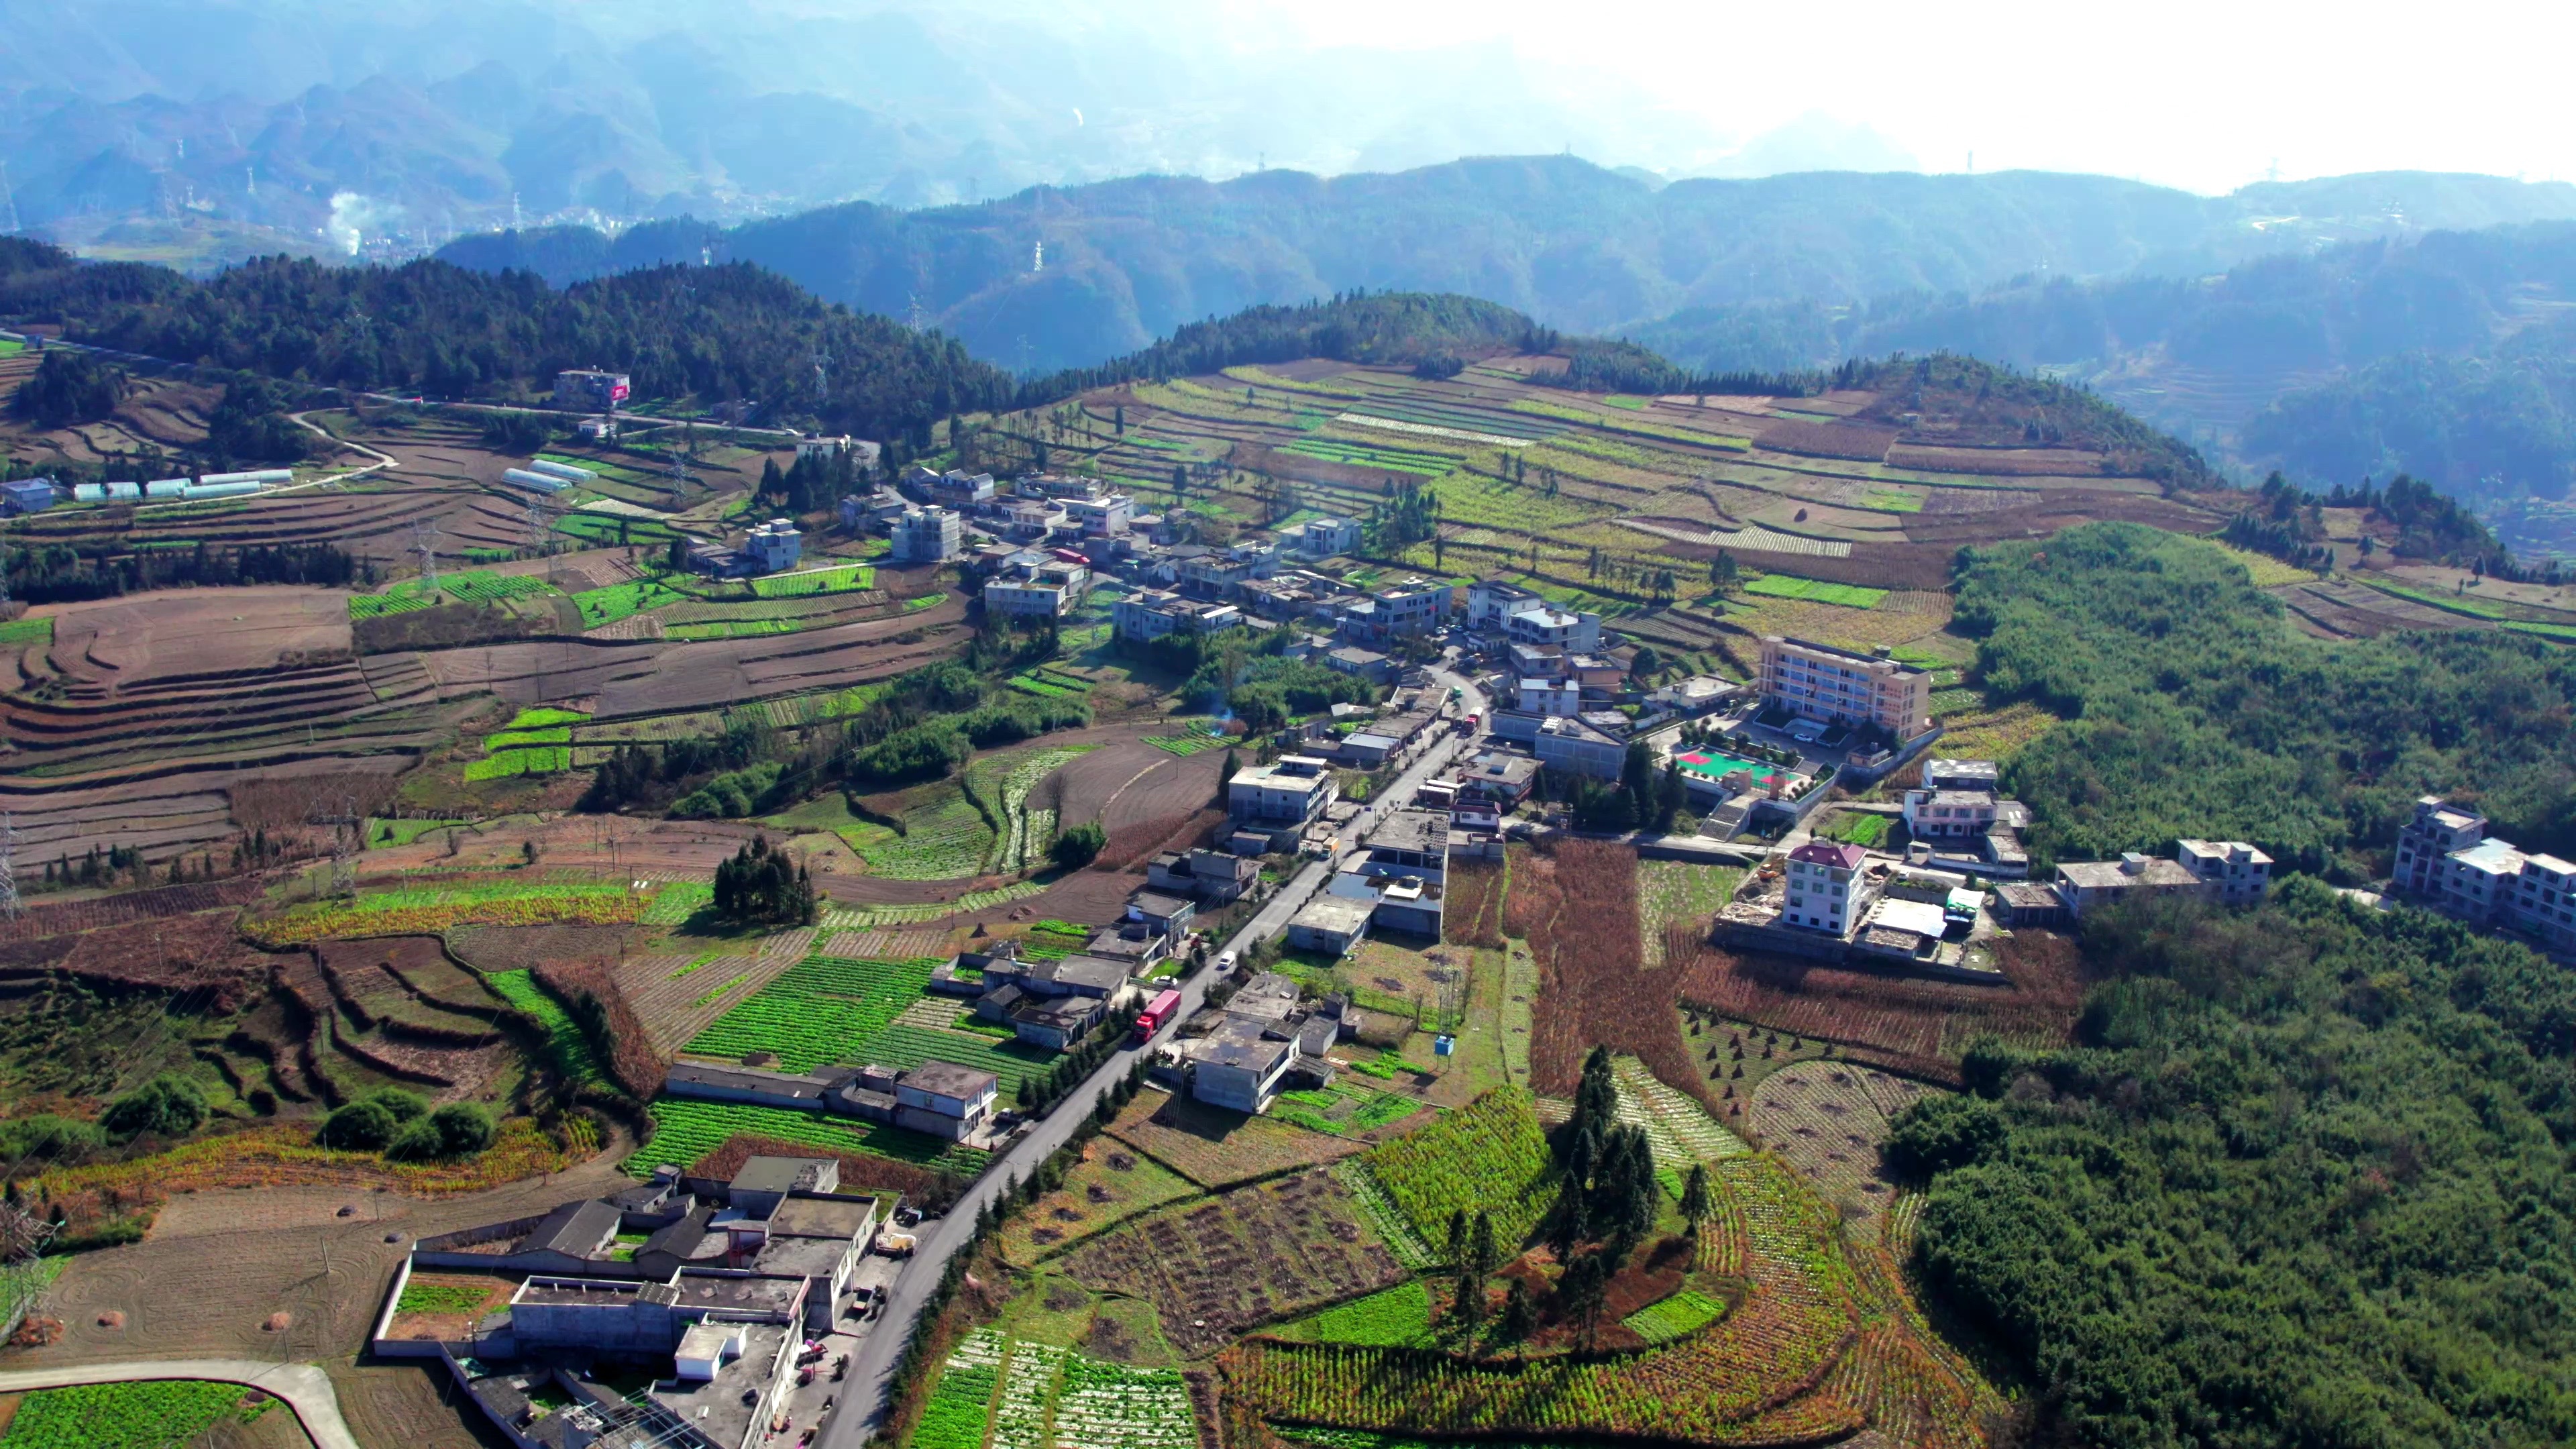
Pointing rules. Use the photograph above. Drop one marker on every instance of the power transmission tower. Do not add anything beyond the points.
(823, 375)
(344, 845)
(425, 543)
(9, 194)
(913, 315)
(8, 867)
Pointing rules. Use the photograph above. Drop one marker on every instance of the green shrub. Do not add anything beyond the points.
(167, 1106)
(1079, 846)
(47, 1136)
(405, 1106)
(361, 1126)
(464, 1128)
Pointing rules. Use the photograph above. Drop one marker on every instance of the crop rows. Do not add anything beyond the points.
(815, 1013)
(910, 1046)
(1815, 591)
(1028, 1388)
(1488, 1156)
(943, 842)
(1398, 1315)
(618, 601)
(1110, 1406)
(533, 760)
(565, 1043)
(962, 1405)
(848, 579)
(1409, 1247)
(1020, 847)
(1392, 460)
(673, 904)
(430, 911)
(1681, 1130)
(1685, 1312)
(19, 633)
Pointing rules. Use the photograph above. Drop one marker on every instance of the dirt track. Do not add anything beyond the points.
(282, 1250)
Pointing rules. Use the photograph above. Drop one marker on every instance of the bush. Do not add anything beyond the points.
(1079, 846)
(361, 1126)
(732, 795)
(47, 1136)
(166, 1106)
(464, 1128)
(1937, 1134)
(405, 1106)
(418, 1142)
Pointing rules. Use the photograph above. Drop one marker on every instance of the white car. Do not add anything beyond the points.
(1225, 962)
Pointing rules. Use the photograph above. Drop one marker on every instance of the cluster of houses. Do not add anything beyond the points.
(1264, 1040)
(676, 1314)
(2447, 860)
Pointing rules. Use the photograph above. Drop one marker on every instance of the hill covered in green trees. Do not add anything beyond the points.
(2193, 709)
(731, 333)
(2305, 1179)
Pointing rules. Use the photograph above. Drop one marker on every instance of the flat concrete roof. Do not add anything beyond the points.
(822, 1217)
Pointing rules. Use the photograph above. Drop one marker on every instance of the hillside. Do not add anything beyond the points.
(1574, 245)
(2441, 357)
(732, 336)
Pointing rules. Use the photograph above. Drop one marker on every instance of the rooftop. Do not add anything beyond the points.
(1338, 914)
(1422, 831)
(736, 1293)
(716, 1408)
(822, 1217)
(2493, 856)
(947, 1079)
(1817, 852)
(2117, 874)
(783, 1174)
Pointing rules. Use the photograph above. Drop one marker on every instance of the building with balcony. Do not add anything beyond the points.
(927, 535)
(1820, 682)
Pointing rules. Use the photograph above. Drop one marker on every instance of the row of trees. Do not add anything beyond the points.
(63, 573)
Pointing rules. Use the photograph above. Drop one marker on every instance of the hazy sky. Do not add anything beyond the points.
(2190, 93)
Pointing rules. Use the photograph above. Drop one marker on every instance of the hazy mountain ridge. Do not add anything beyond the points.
(1572, 244)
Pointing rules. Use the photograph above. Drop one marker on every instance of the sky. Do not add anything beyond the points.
(2190, 93)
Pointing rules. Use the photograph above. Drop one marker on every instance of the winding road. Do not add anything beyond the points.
(872, 1370)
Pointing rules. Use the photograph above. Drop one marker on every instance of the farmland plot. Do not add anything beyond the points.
(961, 1406)
(1488, 1156)
(1827, 1119)
(1678, 1129)
(1111, 1406)
(1250, 1256)
(1111, 1184)
(816, 1013)
(1216, 1148)
(1678, 896)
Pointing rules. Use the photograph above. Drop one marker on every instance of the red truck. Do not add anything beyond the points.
(1156, 1012)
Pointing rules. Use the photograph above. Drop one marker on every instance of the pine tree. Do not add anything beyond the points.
(1697, 1205)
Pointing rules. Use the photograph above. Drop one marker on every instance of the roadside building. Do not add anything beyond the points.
(588, 390)
(1334, 925)
(773, 547)
(1281, 798)
(27, 495)
(1038, 586)
(943, 1099)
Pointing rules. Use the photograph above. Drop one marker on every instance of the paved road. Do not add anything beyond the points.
(871, 1372)
(304, 1388)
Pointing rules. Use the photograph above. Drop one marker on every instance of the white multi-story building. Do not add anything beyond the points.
(1046, 588)
(1948, 814)
(1557, 698)
(927, 535)
(1289, 792)
(773, 546)
(1154, 613)
(2236, 873)
(2446, 859)
(1826, 889)
(1114, 513)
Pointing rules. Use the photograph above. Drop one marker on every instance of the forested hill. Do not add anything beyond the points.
(2305, 1180)
(2196, 711)
(1578, 247)
(1407, 327)
(711, 333)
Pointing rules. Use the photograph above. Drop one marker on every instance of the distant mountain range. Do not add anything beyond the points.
(1064, 276)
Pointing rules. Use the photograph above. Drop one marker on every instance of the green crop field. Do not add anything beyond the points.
(926, 601)
(1684, 1312)
(541, 760)
(817, 1013)
(19, 633)
(618, 601)
(441, 1298)
(942, 839)
(1815, 591)
(1489, 1155)
(541, 735)
(472, 587)
(544, 716)
(685, 1131)
(849, 579)
(1394, 1317)
(403, 832)
(1392, 460)
(154, 1414)
(564, 1041)
(601, 528)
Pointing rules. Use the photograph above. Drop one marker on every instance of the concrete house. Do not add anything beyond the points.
(943, 1099)
(1826, 888)
(1820, 682)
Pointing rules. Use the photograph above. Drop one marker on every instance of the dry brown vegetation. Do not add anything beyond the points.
(1907, 1024)
(1475, 907)
(860, 1172)
(1576, 904)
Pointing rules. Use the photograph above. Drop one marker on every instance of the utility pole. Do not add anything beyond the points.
(8, 867)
